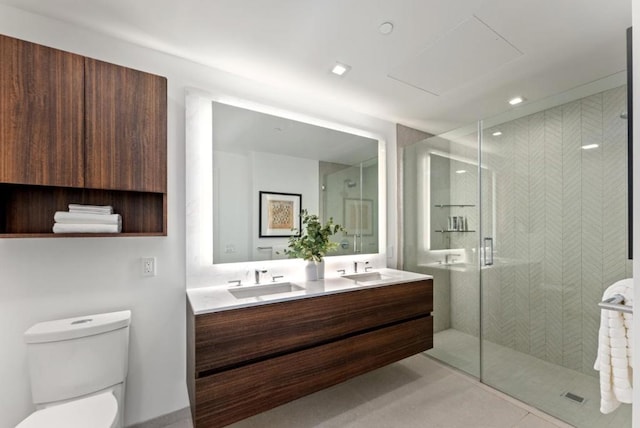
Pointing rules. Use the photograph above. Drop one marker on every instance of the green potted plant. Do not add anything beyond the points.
(313, 244)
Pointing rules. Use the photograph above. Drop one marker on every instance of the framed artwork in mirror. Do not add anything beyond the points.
(358, 216)
(279, 213)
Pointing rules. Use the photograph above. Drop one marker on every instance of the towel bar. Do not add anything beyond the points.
(615, 304)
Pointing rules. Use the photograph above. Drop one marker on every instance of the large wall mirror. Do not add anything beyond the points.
(237, 158)
(328, 172)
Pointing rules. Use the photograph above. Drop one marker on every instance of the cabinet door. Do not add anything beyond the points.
(41, 115)
(126, 128)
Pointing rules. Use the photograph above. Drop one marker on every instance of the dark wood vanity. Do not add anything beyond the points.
(244, 361)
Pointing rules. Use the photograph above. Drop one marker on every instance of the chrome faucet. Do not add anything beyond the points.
(257, 274)
(355, 264)
(449, 258)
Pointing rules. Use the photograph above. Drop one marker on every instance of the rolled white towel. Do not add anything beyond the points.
(86, 218)
(86, 228)
(96, 209)
(614, 359)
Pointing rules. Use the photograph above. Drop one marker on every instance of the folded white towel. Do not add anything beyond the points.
(96, 209)
(84, 218)
(614, 350)
(86, 228)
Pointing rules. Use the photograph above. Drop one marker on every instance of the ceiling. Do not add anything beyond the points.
(447, 63)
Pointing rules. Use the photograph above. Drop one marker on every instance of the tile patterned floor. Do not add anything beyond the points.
(534, 381)
(415, 392)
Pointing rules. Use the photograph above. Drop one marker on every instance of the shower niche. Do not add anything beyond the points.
(453, 196)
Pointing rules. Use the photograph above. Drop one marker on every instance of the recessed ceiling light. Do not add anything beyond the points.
(461, 171)
(589, 147)
(340, 69)
(386, 28)
(497, 134)
(516, 100)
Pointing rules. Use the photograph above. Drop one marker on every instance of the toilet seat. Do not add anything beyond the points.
(96, 411)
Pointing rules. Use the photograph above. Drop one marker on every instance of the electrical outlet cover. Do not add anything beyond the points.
(149, 266)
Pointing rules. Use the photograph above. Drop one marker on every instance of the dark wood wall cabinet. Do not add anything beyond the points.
(241, 362)
(77, 130)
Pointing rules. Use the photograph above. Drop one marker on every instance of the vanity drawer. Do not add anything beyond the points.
(232, 395)
(230, 338)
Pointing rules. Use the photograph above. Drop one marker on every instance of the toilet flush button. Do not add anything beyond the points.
(76, 327)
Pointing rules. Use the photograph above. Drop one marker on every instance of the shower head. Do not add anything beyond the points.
(350, 183)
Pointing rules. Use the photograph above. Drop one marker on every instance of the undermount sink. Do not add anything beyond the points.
(244, 292)
(366, 276)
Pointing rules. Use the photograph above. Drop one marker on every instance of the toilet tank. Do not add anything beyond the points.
(77, 356)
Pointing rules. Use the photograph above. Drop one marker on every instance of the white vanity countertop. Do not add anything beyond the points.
(218, 298)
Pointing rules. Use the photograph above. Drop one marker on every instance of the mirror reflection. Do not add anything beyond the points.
(454, 194)
(300, 166)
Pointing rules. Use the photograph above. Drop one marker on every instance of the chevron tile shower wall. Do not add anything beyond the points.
(561, 223)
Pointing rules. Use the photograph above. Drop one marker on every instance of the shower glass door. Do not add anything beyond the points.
(349, 195)
(553, 236)
(521, 221)
(440, 234)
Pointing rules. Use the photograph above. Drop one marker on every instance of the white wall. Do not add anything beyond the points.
(237, 180)
(283, 174)
(43, 279)
(635, 12)
(232, 197)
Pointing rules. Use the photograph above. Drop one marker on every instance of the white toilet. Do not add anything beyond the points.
(78, 367)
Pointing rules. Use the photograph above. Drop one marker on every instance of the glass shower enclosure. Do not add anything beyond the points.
(350, 192)
(522, 221)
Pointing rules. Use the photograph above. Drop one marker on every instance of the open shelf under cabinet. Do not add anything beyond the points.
(27, 211)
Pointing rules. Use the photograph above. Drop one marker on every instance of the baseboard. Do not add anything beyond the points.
(164, 420)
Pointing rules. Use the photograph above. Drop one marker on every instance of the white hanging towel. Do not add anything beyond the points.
(614, 350)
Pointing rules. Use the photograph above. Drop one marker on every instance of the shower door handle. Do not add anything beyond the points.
(488, 261)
